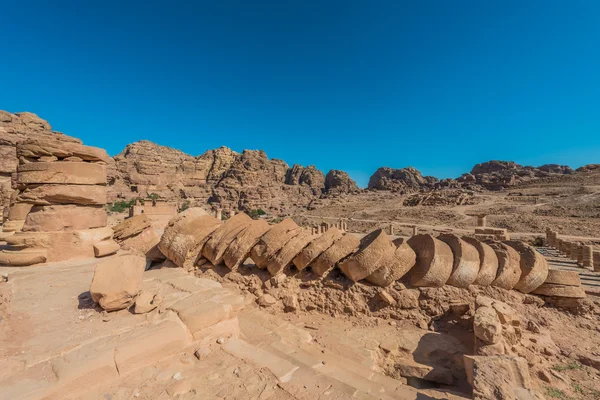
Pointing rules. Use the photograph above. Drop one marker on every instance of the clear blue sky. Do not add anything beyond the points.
(439, 85)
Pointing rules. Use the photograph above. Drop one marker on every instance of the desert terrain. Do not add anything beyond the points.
(155, 274)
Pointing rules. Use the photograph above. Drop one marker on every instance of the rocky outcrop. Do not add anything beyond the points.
(245, 181)
(404, 179)
(498, 175)
(337, 182)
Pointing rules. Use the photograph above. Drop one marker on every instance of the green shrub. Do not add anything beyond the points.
(121, 205)
(255, 214)
(184, 206)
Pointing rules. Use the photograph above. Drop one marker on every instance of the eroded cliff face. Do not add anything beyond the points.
(404, 179)
(15, 128)
(498, 175)
(245, 181)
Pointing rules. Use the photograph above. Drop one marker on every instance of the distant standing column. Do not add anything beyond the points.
(415, 230)
(588, 257)
(481, 221)
(391, 229)
(231, 213)
(596, 259)
(219, 214)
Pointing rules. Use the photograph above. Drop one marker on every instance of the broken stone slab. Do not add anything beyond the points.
(396, 266)
(487, 325)
(285, 256)
(63, 194)
(273, 241)
(566, 278)
(239, 249)
(534, 268)
(117, 281)
(226, 329)
(500, 377)
(84, 367)
(488, 262)
(37, 148)
(64, 217)
(18, 212)
(22, 258)
(144, 347)
(465, 267)
(509, 269)
(282, 369)
(220, 239)
(185, 236)
(61, 172)
(147, 301)
(412, 369)
(319, 245)
(131, 227)
(106, 248)
(374, 247)
(434, 261)
(555, 290)
(342, 248)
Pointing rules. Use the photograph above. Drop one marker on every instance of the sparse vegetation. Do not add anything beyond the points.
(184, 206)
(276, 220)
(567, 367)
(153, 196)
(538, 242)
(121, 205)
(555, 393)
(255, 214)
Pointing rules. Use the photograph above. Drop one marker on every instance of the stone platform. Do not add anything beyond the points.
(56, 343)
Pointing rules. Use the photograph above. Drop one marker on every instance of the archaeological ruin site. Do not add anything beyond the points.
(155, 274)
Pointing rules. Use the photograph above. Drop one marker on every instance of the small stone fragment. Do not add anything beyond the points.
(266, 300)
(386, 297)
(290, 303)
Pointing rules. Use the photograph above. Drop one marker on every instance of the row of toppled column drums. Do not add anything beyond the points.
(423, 259)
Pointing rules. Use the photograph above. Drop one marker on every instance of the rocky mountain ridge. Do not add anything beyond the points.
(250, 180)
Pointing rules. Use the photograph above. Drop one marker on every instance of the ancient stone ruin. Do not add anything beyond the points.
(195, 238)
(57, 211)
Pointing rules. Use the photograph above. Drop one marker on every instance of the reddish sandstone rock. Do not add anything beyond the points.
(374, 248)
(63, 194)
(342, 248)
(239, 249)
(318, 245)
(466, 261)
(509, 269)
(185, 236)
(117, 281)
(61, 172)
(64, 217)
(273, 241)
(488, 262)
(394, 266)
(534, 268)
(434, 261)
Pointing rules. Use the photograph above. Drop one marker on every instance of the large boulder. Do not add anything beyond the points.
(117, 281)
(63, 194)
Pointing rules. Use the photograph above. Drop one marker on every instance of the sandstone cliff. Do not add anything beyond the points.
(498, 175)
(404, 179)
(245, 181)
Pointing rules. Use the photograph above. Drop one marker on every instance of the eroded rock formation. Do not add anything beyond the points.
(57, 210)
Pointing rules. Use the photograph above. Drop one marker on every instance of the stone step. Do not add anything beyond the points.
(344, 371)
(281, 368)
